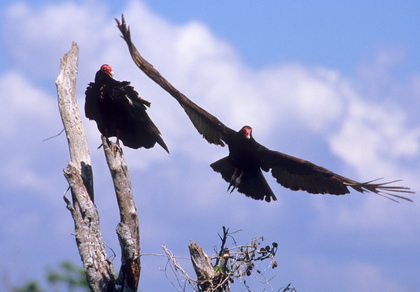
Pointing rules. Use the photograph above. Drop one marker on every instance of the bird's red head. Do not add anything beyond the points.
(247, 131)
(108, 70)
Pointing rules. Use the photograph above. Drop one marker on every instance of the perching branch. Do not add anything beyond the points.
(128, 228)
(99, 270)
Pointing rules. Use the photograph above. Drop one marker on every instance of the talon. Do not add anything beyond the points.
(233, 187)
(116, 148)
(232, 180)
(235, 181)
(102, 145)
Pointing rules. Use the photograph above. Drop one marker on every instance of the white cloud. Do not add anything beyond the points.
(44, 34)
(376, 139)
(31, 116)
(22, 103)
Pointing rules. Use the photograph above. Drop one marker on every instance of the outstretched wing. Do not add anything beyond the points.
(298, 174)
(291, 172)
(213, 130)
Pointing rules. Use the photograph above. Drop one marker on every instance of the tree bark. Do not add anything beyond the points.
(128, 228)
(202, 267)
(99, 270)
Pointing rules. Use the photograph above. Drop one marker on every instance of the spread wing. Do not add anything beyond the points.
(298, 174)
(291, 172)
(213, 130)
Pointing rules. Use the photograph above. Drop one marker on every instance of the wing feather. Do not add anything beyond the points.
(213, 130)
(298, 174)
(143, 125)
(291, 172)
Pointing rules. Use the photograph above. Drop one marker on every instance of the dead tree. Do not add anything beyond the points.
(99, 269)
(128, 228)
(231, 264)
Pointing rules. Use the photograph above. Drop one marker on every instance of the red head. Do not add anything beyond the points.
(247, 131)
(108, 70)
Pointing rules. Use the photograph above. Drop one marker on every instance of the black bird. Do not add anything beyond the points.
(120, 112)
(242, 169)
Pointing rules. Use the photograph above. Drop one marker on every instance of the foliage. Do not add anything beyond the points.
(31, 286)
(66, 277)
(231, 263)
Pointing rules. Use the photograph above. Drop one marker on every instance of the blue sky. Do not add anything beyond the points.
(337, 84)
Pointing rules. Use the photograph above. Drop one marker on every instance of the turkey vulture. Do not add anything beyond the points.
(242, 169)
(120, 112)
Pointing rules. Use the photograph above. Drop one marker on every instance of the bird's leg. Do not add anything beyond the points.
(117, 143)
(239, 178)
(232, 179)
(235, 180)
(106, 136)
(234, 175)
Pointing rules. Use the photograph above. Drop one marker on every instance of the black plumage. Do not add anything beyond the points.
(242, 169)
(120, 112)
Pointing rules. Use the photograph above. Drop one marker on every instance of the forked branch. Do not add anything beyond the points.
(99, 270)
(98, 267)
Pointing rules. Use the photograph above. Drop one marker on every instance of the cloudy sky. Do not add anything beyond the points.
(336, 84)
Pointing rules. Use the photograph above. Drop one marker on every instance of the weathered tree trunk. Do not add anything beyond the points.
(128, 228)
(208, 280)
(99, 270)
(202, 267)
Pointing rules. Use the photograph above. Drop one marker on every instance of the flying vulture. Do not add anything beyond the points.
(120, 112)
(243, 167)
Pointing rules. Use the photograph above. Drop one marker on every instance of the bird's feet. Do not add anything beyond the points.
(116, 148)
(235, 180)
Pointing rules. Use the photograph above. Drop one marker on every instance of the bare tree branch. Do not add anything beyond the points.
(202, 267)
(67, 104)
(99, 270)
(176, 267)
(235, 263)
(128, 228)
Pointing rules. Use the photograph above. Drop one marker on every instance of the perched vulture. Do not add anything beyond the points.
(242, 169)
(120, 112)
